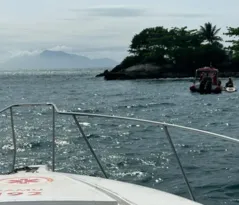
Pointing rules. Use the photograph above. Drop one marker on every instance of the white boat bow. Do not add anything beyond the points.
(38, 185)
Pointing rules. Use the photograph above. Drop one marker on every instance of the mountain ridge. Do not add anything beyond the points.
(49, 59)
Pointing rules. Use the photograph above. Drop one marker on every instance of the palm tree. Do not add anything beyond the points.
(209, 33)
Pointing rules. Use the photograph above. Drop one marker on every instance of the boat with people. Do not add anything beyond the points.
(230, 87)
(41, 184)
(206, 81)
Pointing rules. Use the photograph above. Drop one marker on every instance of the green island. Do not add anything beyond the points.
(160, 52)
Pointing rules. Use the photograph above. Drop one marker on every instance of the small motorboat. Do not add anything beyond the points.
(229, 87)
(206, 81)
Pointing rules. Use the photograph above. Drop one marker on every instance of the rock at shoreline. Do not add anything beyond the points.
(102, 74)
(141, 71)
(150, 71)
(135, 72)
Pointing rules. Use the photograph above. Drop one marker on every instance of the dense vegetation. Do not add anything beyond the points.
(183, 50)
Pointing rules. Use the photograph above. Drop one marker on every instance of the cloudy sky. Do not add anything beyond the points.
(99, 28)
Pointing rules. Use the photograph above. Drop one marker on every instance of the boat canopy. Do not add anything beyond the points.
(207, 69)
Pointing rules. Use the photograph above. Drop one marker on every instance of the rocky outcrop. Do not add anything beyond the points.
(102, 74)
(141, 71)
(149, 71)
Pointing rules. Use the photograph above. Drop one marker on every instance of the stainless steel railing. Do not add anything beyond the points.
(55, 110)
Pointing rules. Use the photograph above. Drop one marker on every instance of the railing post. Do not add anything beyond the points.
(53, 138)
(13, 140)
(88, 143)
(178, 160)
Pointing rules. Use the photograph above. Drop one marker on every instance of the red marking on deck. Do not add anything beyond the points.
(14, 193)
(21, 192)
(34, 193)
(25, 180)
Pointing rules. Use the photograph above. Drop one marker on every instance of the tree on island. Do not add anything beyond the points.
(234, 48)
(209, 33)
(178, 50)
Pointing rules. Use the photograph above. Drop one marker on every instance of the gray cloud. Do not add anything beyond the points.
(185, 15)
(89, 49)
(69, 19)
(110, 48)
(120, 12)
(113, 11)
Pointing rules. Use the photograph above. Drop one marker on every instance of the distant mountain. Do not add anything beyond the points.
(56, 60)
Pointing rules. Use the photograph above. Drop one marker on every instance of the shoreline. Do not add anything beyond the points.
(153, 71)
(135, 76)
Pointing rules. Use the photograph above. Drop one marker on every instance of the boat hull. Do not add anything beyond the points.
(41, 186)
(230, 89)
(214, 89)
